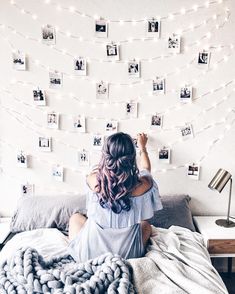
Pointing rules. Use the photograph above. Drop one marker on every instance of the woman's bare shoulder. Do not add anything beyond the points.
(91, 180)
(143, 187)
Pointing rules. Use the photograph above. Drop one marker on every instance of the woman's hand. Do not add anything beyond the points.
(142, 139)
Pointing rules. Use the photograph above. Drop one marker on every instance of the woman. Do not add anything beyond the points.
(120, 200)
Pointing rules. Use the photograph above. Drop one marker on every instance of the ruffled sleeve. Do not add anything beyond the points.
(150, 201)
(142, 208)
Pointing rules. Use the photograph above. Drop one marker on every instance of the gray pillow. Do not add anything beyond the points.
(34, 212)
(175, 212)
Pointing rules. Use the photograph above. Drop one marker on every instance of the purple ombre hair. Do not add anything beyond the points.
(117, 172)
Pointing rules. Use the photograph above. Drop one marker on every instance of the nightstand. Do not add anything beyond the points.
(220, 241)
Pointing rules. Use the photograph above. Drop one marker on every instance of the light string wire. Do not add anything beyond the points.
(144, 116)
(171, 168)
(100, 60)
(68, 34)
(224, 59)
(73, 9)
(10, 111)
(177, 106)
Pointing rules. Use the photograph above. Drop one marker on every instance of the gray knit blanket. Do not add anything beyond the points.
(28, 273)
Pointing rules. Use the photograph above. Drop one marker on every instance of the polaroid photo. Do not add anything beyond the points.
(56, 80)
(39, 97)
(112, 51)
(111, 127)
(131, 109)
(98, 141)
(79, 123)
(187, 131)
(83, 158)
(134, 69)
(48, 34)
(27, 189)
(58, 173)
(80, 66)
(203, 58)
(102, 90)
(19, 60)
(156, 121)
(153, 27)
(22, 159)
(174, 43)
(186, 94)
(194, 171)
(44, 144)
(164, 155)
(53, 120)
(101, 28)
(158, 86)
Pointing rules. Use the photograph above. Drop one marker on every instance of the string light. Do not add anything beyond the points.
(171, 16)
(183, 11)
(155, 171)
(45, 67)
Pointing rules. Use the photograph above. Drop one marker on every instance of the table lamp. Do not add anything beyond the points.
(218, 183)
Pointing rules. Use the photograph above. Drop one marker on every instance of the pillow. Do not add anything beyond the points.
(175, 212)
(34, 212)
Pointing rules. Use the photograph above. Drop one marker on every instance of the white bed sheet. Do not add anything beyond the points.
(48, 242)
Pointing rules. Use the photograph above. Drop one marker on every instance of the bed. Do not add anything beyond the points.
(176, 261)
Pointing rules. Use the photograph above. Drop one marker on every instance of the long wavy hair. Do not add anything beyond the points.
(117, 172)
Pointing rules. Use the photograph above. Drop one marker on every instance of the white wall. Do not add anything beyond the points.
(22, 134)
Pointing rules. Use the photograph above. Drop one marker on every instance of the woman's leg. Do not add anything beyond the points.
(146, 232)
(76, 222)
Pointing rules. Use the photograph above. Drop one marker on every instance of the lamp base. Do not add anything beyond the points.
(225, 223)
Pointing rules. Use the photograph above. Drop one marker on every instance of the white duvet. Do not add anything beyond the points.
(177, 260)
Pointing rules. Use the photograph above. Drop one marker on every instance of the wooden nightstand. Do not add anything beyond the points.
(220, 241)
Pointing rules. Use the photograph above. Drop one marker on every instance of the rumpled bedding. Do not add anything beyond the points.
(176, 261)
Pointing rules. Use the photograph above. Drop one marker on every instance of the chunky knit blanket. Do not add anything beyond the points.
(28, 273)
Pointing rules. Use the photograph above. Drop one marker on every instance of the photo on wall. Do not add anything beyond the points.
(19, 60)
(164, 155)
(27, 189)
(203, 59)
(97, 141)
(111, 127)
(102, 90)
(153, 28)
(44, 144)
(134, 69)
(79, 123)
(187, 131)
(193, 171)
(101, 28)
(174, 43)
(131, 109)
(39, 97)
(56, 80)
(112, 51)
(48, 35)
(22, 159)
(83, 158)
(158, 86)
(156, 121)
(186, 94)
(58, 173)
(80, 66)
(53, 120)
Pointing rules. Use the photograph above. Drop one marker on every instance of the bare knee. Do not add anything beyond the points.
(76, 222)
(146, 231)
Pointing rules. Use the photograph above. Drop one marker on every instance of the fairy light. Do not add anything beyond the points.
(170, 16)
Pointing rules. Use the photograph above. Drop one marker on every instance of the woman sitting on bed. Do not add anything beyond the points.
(120, 200)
